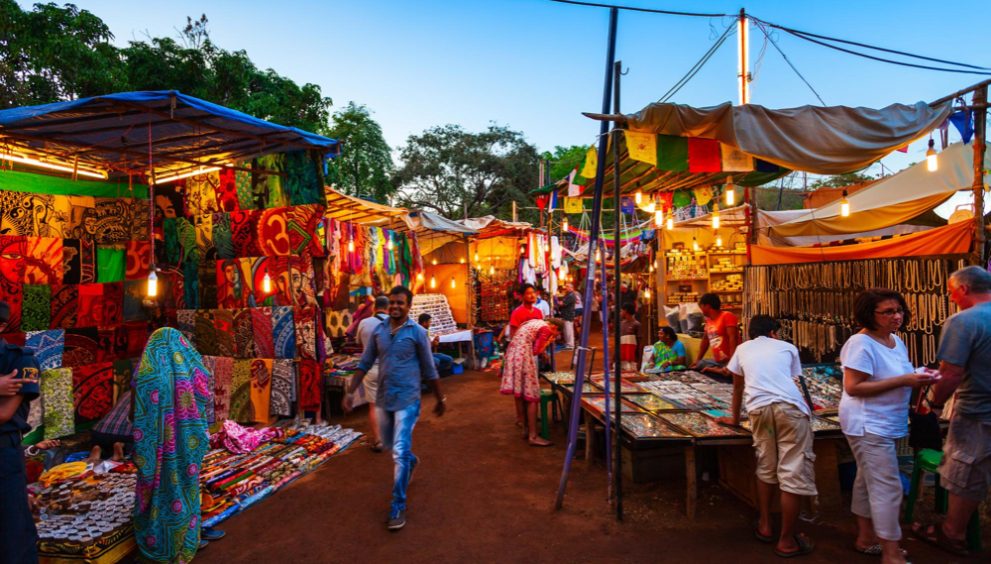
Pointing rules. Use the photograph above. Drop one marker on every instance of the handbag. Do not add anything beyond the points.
(923, 425)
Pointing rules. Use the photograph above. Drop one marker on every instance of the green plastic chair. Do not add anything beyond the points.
(928, 460)
(546, 397)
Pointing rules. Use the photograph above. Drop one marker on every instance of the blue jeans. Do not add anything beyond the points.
(396, 429)
(443, 362)
(18, 536)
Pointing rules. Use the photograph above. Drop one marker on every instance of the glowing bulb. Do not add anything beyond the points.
(390, 245)
(453, 283)
(651, 269)
(461, 260)
(152, 283)
(646, 294)
(564, 225)
(351, 246)
(433, 261)
(695, 244)
(658, 218)
(719, 240)
(476, 256)
(419, 276)
(522, 249)
(562, 273)
(267, 284)
(730, 195)
(715, 216)
(651, 207)
(638, 197)
(670, 222)
(491, 271)
(931, 164)
(433, 282)
(844, 206)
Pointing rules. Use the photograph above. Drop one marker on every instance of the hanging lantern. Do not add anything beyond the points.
(522, 250)
(638, 197)
(844, 206)
(715, 216)
(695, 244)
(651, 207)
(730, 192)
(267, 284)
(390, 245)
(433, 261)
(461, 260)
(433, 282)
(419, 277)
(670, 222)
(476, 256)
(651, 269)
(931, 164)
(719, 240)
(491, 270)
(152, 283)
(453, 283)
(658, 218)
(646, 294)
(564, 225)
(351, 245)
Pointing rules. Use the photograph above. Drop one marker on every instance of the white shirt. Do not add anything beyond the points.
(366, 327)
(768, 367)
(543, 306)
(885, 414)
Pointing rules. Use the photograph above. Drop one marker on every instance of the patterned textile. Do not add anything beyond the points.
(204, 236)
(305, 328)
(206, 333)
(65, 305)
(169, 201)
(227, 190)
(244, 233)
(93, 390)
(231, 290)
(303, 184)
(251, 281)
(268, 187)
(264, 333)
(78, 261)
(283, 387)
(56, 391)
(137, 260)
(244, 337)
(241, 408)
(261, 386)
(135, 335)
(170, 440)
(123, 374)
(210, 363)
(43, 261)
(48, 347)
(223, 320)
(186, 323)
(113, 304)
(36, 309)
(80, 347)
(110, 345)
(90, 305)
(223, 379)
(303, 226)
(519, 373)
(309, 385)
(336, 323)
(110, 264)
(284, 332)
(222, 236)
(170, 252)
(117, 421)
(11, 288)
(273, 233)
(243, 186)
(201, 194)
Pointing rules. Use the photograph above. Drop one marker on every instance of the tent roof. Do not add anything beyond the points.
(489, 226)
(434, 231)
(113, 132)
(343, 207)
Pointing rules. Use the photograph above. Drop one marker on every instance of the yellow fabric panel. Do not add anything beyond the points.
(863, 221)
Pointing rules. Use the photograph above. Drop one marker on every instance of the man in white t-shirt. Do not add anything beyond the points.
(363, 335)
(763, 369)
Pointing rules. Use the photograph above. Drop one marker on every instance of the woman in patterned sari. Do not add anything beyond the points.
(669, 352)
(171, 389)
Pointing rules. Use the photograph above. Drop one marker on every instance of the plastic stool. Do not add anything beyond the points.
(546, 397)
(928, 460)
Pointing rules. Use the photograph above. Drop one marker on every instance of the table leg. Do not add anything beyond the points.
(691, 485)
(589, 438)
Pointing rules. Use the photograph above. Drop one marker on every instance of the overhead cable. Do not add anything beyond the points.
(635, 9)
(763, 29)
(698, 66)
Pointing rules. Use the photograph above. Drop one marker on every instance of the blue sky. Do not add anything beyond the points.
(534, 65)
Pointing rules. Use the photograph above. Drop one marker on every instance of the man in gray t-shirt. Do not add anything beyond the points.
(965, 369)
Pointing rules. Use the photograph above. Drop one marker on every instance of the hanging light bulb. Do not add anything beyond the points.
(651, 269)
(351, 246)
(152, 283)
(646, 294)
(522, 249)
(433, 282)
(658, 218)
(695, 244)
(491, 270)
(461, 260)
(419, 277)
(844, 206)
(453, 283)
(719, 240)
(715, 216)
(638, 197)
(730, 192)
(476, 256)
(390, 245)
(564, 224)
(670, 222)
(433, 261)
(931, 164)
(267, 284)
(651, 207)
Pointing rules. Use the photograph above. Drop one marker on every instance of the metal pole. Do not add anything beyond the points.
(606, 379)
(618, 303)
(980, 147)
(590, 280)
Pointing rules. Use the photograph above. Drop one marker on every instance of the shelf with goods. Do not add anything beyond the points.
(726, 274)
(697, 262)
(686, 275)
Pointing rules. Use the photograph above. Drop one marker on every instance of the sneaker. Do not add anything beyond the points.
(412, 469)
(397, 520)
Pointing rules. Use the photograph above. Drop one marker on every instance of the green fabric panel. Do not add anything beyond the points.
(109, 264)
(36, 309)
(302, 183)
(17, 181)
(672, 153)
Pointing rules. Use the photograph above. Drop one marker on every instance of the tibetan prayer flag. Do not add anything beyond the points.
(703, 195)
(572, 205)
(704, 155)
(672, 153)
(574, 190)
(591, 163)
(642, 146)
(735, 160)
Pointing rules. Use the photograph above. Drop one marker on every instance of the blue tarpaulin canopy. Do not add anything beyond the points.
(121, 132)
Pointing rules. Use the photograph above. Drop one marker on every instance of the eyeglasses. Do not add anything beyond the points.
(890, 312)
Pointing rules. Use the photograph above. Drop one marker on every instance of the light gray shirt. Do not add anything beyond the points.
(966, 342)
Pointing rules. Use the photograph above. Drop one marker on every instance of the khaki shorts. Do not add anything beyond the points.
(783, 442)
(371, 383)
(966, 467)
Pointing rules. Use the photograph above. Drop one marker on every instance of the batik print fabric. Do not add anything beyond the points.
(43, 260)
(264, 333)
(223, 321)
(65, 306)
(302, 184)
(93, 390)
(48, 347)
(245, 191)
(305, 328)
(244, 338)
(309, 385)
(113, 304)
(56, 391)
(283, 388)
(223, 236)
(223, 380)
(302, 226)
(36, 309)
(244, 233)
(12, 287)
(90, 305)
(261, 386)
(80, 346)
(170, 440)
(241, 409)
(273, 233)
(206, 333)
(226, 192)
(210, 363)
(284, 332)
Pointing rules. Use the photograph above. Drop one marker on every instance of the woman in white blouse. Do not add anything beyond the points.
(878, 378)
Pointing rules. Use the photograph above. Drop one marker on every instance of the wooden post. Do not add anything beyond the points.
(980, 147)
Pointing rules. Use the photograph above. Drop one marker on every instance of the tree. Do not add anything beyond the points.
(564, 159)
(456, 172)
(365, 165)
(841, 180)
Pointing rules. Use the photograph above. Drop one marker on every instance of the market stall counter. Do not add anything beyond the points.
(667, 416)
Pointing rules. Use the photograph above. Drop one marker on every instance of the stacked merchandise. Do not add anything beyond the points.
(494, 300)
(825, 385)
(441, 319)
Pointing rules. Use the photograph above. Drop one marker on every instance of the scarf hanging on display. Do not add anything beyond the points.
(80, 346)
(223, 321)
(227, 195)
(309, 385)
(261, 386)
(244, 189)
(186, 323)
(223, 233)
(93, 390)
(273, 234)
(36, 308)
(12, 288)
(65, 306)
(244, 233)
(303, 184)
(210, 365)
(223, 379)
(113, 304)
(283, 385)
(201, 194)
(109, 264)
(203, 227)
(244, 339)
(48, 347)
(284, 332)
(302, 227)
(90, 305)
(56, 392)
(261, 325)
(231, 291)
(269, 187)
(137, 260)
(241, 409)
(43, 261)
(305, 329)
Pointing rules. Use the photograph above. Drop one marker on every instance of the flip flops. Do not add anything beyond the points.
(934, 535)
(805, 546)
(768, 539)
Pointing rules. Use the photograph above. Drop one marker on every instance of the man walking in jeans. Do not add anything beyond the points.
(402, 348)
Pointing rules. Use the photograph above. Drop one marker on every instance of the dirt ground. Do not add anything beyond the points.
(482, 494)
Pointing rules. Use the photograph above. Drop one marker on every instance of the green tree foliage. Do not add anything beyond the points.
(365, 165)
(51, 53)
(840, 180)
(564, 159)
(455, 171)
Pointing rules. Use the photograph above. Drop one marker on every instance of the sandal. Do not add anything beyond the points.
(377, 447)
(934, 535)
(761, 536)
(538, 442)
(805, 546)
(872, 550)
